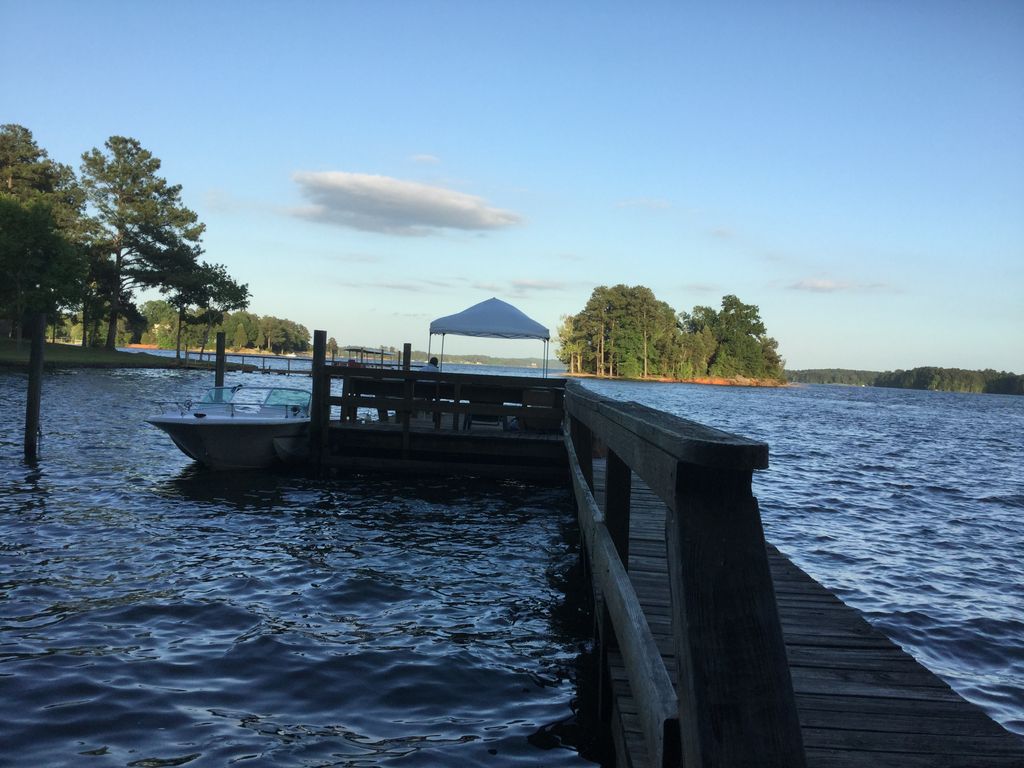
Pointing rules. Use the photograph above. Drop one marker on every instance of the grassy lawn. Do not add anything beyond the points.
(13, 355)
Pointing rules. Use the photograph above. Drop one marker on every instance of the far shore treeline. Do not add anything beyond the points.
(926, 377)
(79, 248)
(625, 331)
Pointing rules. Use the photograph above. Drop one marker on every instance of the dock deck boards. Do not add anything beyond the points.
(862, 701)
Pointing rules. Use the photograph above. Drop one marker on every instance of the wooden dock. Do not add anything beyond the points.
(715, 650)
(859, 701)
(406, 420)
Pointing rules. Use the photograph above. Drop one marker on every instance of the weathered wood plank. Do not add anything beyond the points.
(649, 683)
(683, 440)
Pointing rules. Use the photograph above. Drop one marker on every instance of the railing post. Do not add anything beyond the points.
(35, 387)
(321, 404)
(736, 704)
(218, 371)
(584, 443)
(617, 489)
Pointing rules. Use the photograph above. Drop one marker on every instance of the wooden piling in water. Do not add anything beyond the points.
(35, 388)
(320, 406)
(218, 374)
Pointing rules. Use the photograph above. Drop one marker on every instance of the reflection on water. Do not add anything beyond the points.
(908, 504)
(152, 613)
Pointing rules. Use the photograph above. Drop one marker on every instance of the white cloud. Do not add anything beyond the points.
(529, 286)
(426, 159)
(519, 288)
(393, 206)
(826, 285)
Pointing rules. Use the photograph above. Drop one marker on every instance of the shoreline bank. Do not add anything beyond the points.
(715, 381)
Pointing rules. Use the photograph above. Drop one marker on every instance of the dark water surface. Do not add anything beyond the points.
(155, 614)
(908, 504)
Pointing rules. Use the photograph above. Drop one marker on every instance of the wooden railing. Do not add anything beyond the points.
(453, 400)
(735, 703)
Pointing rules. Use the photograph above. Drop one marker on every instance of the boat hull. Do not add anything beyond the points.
(230, 442)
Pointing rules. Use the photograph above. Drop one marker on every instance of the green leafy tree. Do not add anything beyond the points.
(202, 295)
(250, 325)
(161, 323)
(145, 237)
(239, 340)
(29, 175)
(42, 270)
(42, 229)
(626, 331)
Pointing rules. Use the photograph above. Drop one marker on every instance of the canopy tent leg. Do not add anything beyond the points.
(440, 365)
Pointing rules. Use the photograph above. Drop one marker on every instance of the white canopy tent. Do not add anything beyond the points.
(492, 319)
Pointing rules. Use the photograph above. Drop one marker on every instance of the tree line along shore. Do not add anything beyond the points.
(14, 356)
(933, 378)
(79, 247)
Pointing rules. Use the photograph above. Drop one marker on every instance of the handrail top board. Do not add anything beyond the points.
(342, 370)
(684, 440)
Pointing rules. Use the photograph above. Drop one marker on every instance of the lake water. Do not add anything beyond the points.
(155, 614)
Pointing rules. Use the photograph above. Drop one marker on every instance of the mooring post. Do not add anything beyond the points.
(218, 371)
(35, 387)
(406, 356)
(320, 404)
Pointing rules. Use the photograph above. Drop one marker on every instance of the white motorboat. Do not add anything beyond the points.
(238, 427)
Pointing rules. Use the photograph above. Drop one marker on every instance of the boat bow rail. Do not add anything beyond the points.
(247, 402)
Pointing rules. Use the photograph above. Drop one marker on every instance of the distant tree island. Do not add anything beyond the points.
(625, 331)
(927, 377)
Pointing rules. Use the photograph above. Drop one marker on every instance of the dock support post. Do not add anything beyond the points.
(406, 356)
(617, 489)
(35, 387)
(218, 371)
(320, 405)
(584, 443)
(736, 703)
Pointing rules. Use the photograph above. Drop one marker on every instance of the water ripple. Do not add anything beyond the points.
(153, 614)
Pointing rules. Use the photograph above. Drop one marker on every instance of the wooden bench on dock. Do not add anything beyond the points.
(716, 649)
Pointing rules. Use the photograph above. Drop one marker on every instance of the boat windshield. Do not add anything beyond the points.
(218, 395)
(288, 397)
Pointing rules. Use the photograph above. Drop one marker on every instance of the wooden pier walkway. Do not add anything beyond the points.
(861, 700)
(716, 649)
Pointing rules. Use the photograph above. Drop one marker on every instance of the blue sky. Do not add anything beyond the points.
(854, 169)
